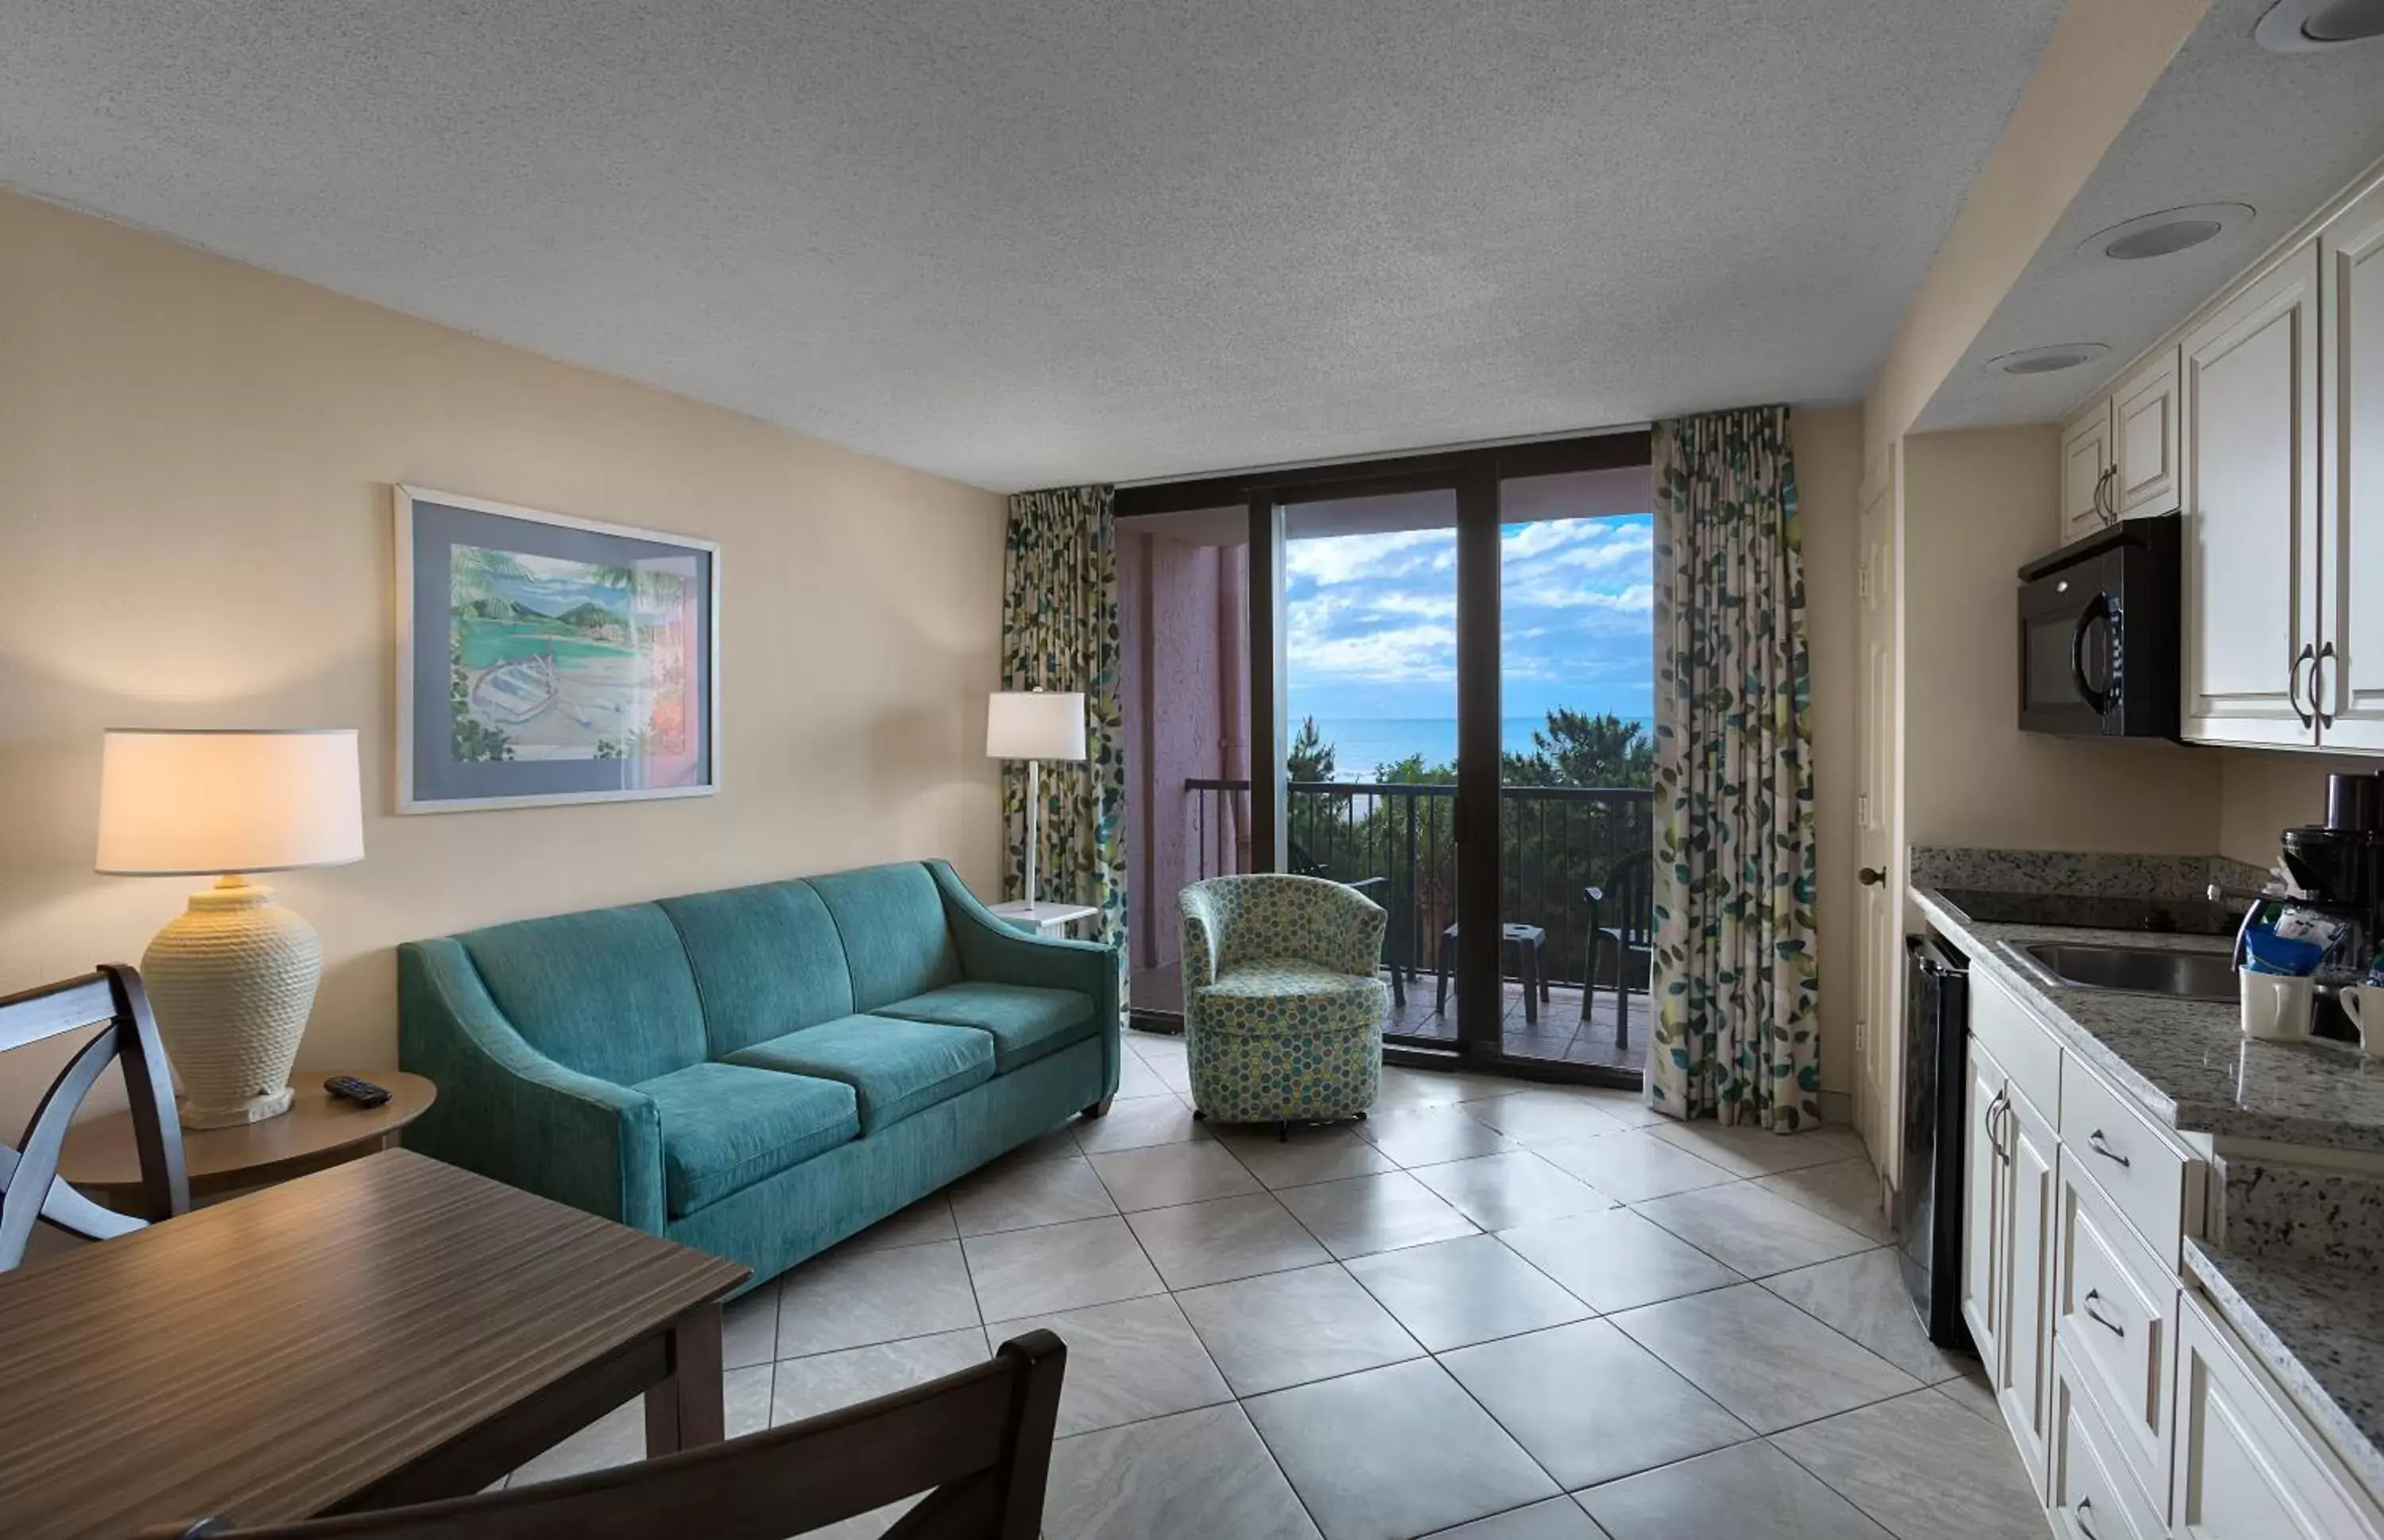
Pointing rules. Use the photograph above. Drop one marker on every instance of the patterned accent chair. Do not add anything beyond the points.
(1283, 1013)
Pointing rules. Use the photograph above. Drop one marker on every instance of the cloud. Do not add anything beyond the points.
(1418, 654)
(1336, 559)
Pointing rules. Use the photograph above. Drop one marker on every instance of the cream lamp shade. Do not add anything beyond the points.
(1033, 725)
(203, 803)
(234, 977)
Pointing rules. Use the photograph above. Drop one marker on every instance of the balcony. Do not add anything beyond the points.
(1392, 839)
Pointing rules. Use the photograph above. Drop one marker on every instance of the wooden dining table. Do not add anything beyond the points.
(386, 1331)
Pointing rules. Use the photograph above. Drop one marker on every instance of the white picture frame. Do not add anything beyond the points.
(532, 725)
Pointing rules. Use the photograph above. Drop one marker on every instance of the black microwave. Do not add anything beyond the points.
(2100, 647)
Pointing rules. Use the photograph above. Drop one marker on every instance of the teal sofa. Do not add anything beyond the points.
(758, 1072)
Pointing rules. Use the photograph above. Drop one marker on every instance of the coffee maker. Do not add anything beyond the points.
(2339, 866)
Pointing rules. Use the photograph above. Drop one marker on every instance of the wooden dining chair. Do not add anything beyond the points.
(30, 1186)
(978, 1443)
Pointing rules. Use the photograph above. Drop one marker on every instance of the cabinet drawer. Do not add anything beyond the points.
(2145, 1172)
(2114, 1314)
(2248, 1466)
(2025, 1047)
(2090, 1494)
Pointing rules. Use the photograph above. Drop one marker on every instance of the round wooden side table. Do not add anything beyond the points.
(320, 1130)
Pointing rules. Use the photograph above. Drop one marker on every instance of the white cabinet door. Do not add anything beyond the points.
(2085, 469)
(2351, 390)
(2031, 1209)
(2248, 1466)
(2251, 463)
(2144, 439)
(1983, 1189)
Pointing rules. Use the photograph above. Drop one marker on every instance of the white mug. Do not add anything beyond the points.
(2357, 1001)
(2277, 1006)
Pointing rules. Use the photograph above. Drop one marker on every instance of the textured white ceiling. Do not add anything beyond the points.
(1054, 239)
(2228, 122)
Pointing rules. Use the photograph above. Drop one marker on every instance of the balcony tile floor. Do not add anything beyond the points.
(1504, 1314)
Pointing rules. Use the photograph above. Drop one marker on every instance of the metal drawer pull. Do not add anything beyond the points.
(2094, 1142)
(2089, 1308)
(2085, 1509)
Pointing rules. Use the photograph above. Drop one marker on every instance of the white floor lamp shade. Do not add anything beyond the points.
(234, 977)
(1035, 725)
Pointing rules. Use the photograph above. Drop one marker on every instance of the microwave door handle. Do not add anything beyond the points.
(2097, 608)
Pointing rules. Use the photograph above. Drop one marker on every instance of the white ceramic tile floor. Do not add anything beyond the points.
(1414, 1327)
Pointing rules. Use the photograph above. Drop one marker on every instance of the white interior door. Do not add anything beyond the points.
(1879, 953)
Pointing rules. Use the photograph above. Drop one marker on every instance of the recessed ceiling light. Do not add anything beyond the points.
(2304, 26)
(2047, 360)
(2171, 229)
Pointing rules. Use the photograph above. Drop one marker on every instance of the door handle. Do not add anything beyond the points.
(2094, 1142)
(2320, 671)
(2293, 684)
(2083, 1512)
(1871, 876)
(2090, 1308)
(2097, 608)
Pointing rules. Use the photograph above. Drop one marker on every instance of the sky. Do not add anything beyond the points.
(1371, 621)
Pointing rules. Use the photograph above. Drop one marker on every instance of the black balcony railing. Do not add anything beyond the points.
(1394, 839)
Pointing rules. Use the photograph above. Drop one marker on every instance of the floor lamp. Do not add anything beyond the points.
(1035, 725)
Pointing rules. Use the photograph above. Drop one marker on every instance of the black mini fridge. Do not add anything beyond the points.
(1936, 1077)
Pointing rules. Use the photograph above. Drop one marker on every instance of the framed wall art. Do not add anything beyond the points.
(542, 658)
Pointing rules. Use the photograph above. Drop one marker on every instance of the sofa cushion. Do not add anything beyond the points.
(897, 939)
(606, 992)
(766, 961)
(1027, 1023)
(725, 1127)
(894, 1067)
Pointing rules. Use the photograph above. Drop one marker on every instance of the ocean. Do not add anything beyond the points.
(1359, 744)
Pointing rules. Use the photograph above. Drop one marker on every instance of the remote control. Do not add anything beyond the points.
(364, 1093)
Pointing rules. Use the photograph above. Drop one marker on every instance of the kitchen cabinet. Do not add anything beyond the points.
(2086, 470)
(2249, 375)
(2026, 1389)
(2009, 1163)
(2249, 1467)
(2350, 664)
(2145, 415)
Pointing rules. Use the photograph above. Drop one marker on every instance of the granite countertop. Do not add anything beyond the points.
(2186, 1060)
(2319, 1329)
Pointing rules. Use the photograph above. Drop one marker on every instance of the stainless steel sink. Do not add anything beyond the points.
(2135, 970)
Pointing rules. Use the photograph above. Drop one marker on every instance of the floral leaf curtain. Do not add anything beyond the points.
(1737, 1035)
(1060, 632)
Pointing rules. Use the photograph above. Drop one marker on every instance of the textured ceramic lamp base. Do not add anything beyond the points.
(232, 980)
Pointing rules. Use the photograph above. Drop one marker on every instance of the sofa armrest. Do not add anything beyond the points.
(1001, 953)
(508, 1112)
(1203, 940)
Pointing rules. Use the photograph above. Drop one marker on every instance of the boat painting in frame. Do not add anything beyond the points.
(542, 658)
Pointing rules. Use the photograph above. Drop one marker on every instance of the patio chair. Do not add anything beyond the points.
(1622, 921)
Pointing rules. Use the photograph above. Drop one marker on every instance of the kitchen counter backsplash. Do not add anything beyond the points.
(2100, 875)
(2302, 1213)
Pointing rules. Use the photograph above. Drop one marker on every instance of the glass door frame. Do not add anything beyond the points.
(1473, 476)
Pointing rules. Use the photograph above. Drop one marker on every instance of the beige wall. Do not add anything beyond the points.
(1828, 446)
(2263, 792)
(2101, 60)
(196, 459)
(1977, 504)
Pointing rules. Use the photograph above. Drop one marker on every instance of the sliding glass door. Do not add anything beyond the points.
(1428, 680)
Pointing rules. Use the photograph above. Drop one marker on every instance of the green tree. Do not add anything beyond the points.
(1576, 749)
(1312, 757)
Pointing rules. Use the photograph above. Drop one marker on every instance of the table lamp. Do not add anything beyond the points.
(234, 977)
(1035, 725)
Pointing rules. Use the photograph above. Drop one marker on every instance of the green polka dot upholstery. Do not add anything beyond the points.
(1282, 1015)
